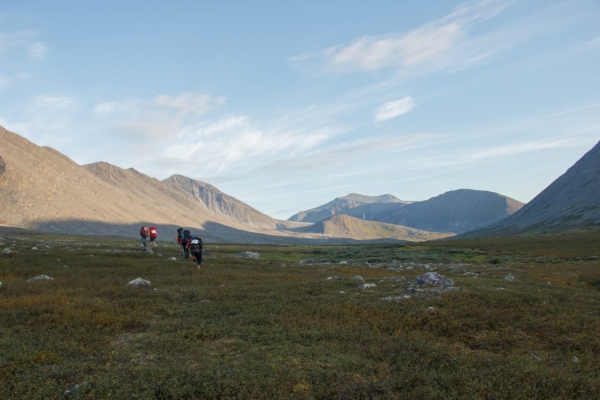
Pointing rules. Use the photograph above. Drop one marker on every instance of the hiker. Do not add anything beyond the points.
(179, 238)
(144, 234)
(153, 236)
(185, 239)
(196, 245)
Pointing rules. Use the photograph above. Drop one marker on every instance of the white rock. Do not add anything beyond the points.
(575, 359)
(40, 278)
(171, 259)
(34, 248)
(343, 262)
(0, 284)
(358, 278)
(139, 282)
(6, 251)
(368, 285)
(248, 254)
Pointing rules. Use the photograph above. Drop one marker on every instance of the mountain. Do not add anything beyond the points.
(349, 227)
(220, 203)
(455, 211)
(42, 189)
(347, 205)
(570, 204)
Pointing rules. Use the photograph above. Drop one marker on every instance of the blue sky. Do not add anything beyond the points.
(287, 105)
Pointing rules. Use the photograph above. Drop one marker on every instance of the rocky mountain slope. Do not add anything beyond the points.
(348, 205)
(455, 211)
(570, 204)
(349, 227)
(42, 189)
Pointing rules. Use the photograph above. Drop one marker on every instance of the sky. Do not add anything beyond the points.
(287, 105)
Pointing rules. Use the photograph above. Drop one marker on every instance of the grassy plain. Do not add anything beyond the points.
(276, 327)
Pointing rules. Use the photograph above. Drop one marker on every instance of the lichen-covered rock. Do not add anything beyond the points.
(139, 282)
(433, 278)
(358, 278)
(368, 285)
(248, 254)
(40, 278)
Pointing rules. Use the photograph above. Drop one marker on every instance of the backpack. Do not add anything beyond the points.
(196, 245)
(153, 232)
(144, 231)
(186, 236)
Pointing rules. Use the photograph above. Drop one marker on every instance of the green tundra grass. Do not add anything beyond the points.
(275, 327)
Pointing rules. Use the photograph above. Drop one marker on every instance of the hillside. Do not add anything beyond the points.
(570, 204)
(348, 205)
(349, 227)
(42, 189)
(215, 200)
(455, 211)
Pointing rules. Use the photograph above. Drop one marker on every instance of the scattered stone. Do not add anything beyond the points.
(0, 284)
(396, 298)
(139, 282)
(71, 391)
(248, 254)
(65, 266)
(433, 278)
(34, 248)
(6, 251)
(432, 309)
(536, 357)
(397, 279)
(575, 359)
(335, 278)
(342, 292)
(307, 261)
(40, 278)
(282, 265)
(148, 250)
(171, 259)
(548, 283)
(368, 285)
(343, 262)
(509, 277)
(358, 278)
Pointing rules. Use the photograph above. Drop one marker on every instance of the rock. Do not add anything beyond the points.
(34, 248)
(71, 391)
(575, 359)
(433, 278)
(536, 357)
(40, 278)
(397, 279)
(358, 278)
(6, 251)
(171, 259)
(343, 262)
(139, 282)
(248, 254)
(148, 250)
(335, 278)
(0, 284)
(65, 266)
(368, 285)
(509, 277)
(342, 292)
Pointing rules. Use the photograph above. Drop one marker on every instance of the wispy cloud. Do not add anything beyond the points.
(37, 51)
(189, 103)
(393, 109)
(429, 43)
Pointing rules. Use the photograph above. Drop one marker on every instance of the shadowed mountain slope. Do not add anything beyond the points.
(346, 226)
(348, 205)
(570, 204)
(455, 211)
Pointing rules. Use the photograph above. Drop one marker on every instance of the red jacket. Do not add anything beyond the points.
(153, 232)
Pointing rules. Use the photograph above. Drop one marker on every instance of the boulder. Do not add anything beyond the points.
(139, 282)
(433, 278)
(248, 254)
(6, 251)
(40, 278)
(358, 278)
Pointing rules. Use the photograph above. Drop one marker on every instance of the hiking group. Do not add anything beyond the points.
(151, 232)
(190, 244)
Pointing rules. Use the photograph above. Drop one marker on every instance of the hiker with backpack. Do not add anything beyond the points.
(196, 245)
(185, 239)
(179, 238)
(153, 236)
(144, 232)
